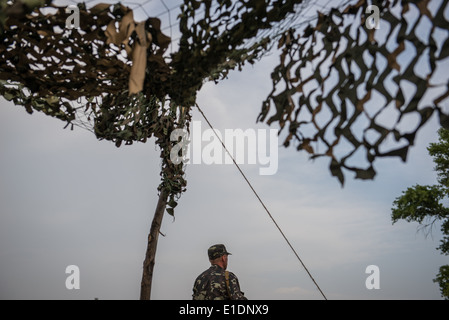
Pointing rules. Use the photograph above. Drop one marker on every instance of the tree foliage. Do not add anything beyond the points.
(440, 154)
(429, 203)
(443, 280)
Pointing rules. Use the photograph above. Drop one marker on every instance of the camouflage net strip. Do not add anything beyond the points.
(349, 89)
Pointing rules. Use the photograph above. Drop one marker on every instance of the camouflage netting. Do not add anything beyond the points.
(358, 92)
(45, 65)
(93, 76)
(112, 74)
(114, 77)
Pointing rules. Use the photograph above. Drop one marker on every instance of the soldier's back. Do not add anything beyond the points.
(211, 285)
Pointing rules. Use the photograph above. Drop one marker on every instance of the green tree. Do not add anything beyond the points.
(426, 204)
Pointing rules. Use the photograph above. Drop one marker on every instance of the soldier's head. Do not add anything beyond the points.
(218, 255)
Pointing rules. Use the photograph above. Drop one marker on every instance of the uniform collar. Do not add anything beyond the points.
(216, 266)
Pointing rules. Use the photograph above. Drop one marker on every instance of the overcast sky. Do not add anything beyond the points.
(68, 199)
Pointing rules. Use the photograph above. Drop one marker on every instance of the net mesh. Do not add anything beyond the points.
(131, 71)
(72, 62)
(359, 92)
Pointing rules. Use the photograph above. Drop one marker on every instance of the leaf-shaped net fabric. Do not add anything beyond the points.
(360, 82)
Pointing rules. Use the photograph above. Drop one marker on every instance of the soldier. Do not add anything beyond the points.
(216, 283)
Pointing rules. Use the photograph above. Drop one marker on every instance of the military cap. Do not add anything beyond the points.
(216, 251)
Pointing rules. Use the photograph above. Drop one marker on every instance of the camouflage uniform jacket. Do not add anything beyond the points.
(211, 285)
